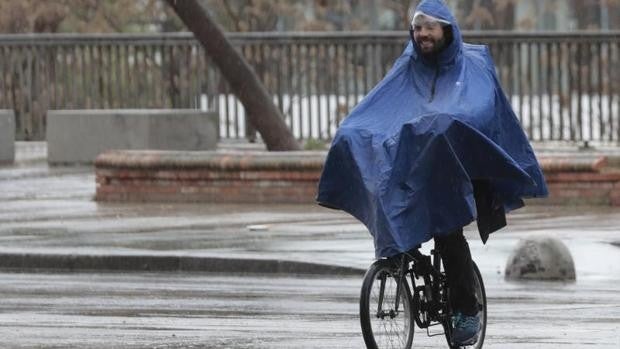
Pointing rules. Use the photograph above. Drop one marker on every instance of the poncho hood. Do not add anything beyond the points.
(438, 9)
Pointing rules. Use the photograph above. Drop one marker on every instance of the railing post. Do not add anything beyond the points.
(563, 85)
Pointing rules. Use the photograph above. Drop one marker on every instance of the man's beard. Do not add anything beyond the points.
(431, 47)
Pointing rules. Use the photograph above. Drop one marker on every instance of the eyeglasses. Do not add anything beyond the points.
(430, 26)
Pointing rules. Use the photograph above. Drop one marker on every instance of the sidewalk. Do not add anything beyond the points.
(49, 220)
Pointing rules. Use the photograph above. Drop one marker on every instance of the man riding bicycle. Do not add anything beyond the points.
(434, 146)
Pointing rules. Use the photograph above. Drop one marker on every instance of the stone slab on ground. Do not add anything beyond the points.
(78, 136)
(7, 136)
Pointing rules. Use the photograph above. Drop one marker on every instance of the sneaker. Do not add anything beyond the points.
(466, 329)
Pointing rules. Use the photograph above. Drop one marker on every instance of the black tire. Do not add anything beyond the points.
(482, 301)
(390, 331)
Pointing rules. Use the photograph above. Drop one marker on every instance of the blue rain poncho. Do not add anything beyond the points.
(406, 160)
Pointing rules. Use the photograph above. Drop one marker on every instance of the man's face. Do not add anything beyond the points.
(429, 37)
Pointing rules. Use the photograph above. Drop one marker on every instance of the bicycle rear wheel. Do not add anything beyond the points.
(383, 324)
(482, 313)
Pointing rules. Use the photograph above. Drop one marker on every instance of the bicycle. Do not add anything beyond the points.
(409, 286)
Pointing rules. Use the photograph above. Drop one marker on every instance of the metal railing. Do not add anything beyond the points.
(563, 86)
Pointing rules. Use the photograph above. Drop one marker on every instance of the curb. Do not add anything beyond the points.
(148, 263)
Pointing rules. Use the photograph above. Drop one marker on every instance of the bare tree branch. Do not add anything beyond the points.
(260, 109)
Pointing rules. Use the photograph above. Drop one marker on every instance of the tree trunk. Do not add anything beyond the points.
(261, 112)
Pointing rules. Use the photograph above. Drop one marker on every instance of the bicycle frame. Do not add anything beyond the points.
(417, 265)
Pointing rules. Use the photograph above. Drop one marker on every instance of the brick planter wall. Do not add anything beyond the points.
(258, 177)
(583, 181)
(292, 177)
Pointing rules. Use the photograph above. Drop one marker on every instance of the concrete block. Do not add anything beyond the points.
(541, 258)
(7, 136)
(78, 136)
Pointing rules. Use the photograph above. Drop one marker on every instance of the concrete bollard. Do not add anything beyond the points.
(541, 258)
(7, 136)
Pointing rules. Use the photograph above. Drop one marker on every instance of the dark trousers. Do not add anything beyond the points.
(458, 265)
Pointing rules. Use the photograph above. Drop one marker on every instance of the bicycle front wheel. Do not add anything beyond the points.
(385, 322)
(481, 297)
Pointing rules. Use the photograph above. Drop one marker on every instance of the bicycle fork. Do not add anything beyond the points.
(399, 289)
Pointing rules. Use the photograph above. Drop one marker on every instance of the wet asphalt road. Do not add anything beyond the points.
(50, 210)
(170, 310)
